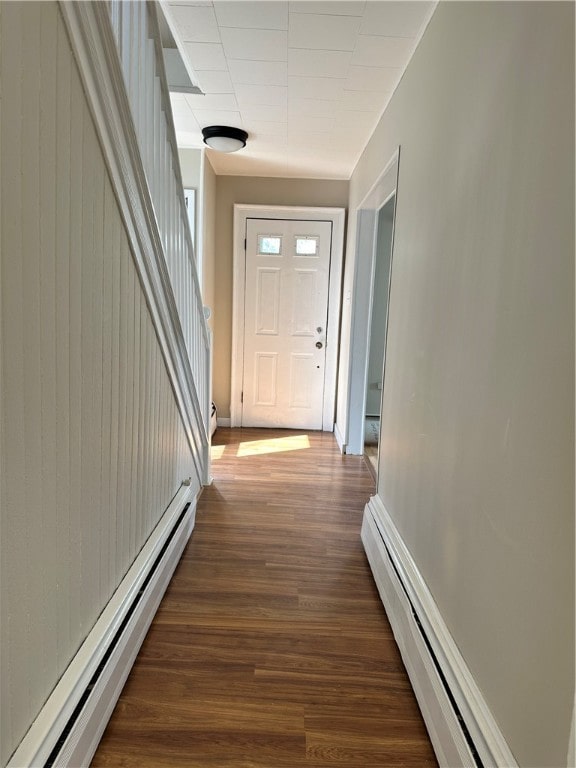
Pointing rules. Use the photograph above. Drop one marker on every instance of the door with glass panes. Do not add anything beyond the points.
(285, 318)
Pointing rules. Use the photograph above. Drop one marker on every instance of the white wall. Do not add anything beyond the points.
(191, 172)
(197, 173)
(477, 447)
(208, 237)
(191, 168)
(92, 444)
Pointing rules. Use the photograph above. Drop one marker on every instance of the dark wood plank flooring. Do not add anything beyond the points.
(271, 647)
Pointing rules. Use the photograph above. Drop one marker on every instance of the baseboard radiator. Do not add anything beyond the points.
(462, 729)
(69, 726)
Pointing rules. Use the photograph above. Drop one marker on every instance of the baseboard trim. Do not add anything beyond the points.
(339, 439)
(70, 725)
(223, 422)
(462, 729)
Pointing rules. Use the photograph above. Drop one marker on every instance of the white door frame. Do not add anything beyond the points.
(337, 217)
(366, 231)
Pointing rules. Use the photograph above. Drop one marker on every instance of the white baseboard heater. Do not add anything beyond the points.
(71, 723)
(462, 729)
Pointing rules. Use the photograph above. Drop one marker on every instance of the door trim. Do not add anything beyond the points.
(336, 216)
(364, 256)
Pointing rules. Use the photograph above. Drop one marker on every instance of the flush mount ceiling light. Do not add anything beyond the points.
(223, 138)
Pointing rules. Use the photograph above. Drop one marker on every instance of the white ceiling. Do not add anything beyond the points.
(307, 80)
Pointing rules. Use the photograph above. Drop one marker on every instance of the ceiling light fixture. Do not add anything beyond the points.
(223, 138)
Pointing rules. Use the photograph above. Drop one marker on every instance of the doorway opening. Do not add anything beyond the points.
(377, 331)
(362, 384)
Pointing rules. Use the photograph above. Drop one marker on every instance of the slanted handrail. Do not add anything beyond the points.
(136, 31)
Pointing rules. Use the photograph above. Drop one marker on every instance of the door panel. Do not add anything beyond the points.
(286, 312)
(267, 301)
(265, 368)
(303, 302)
(300, 381)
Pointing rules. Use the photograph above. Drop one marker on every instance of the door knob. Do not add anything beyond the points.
(318, 345)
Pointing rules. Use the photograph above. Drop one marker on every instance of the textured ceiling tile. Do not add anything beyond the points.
(267, 95)
(363, 101)
(213, 101)
(318, 63)
(263, 14)
(357, 126)
(183, 116)
(312, 107)
(355, 120)
(325, 88)
(380, 79)
(310, 124)
(307, 139)
(269, 128)
(337, 8)
(336, 33)
(394, 19)
(258, 72)
(255, 44)
(206, 56)
(309, 110)
(188, 139)
(269, 140)
(196, 23)
(211, 81)
(374, 51)
(257, 113)
(218, 117)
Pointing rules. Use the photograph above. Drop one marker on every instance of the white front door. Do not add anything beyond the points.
(285, 319)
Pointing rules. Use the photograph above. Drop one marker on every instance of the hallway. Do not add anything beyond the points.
(271, 647)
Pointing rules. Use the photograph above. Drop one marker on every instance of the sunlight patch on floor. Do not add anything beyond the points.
(275, 445)
(216, 452)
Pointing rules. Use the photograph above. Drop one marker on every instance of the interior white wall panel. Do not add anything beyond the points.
(477, 444)
(93, 448)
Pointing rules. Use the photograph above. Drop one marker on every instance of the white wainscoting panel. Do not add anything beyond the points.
(105, 658)
(93, 444)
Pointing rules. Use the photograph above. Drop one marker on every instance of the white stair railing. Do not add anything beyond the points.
(137, 38)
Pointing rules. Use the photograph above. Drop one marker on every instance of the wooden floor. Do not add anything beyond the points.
(271, 648)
